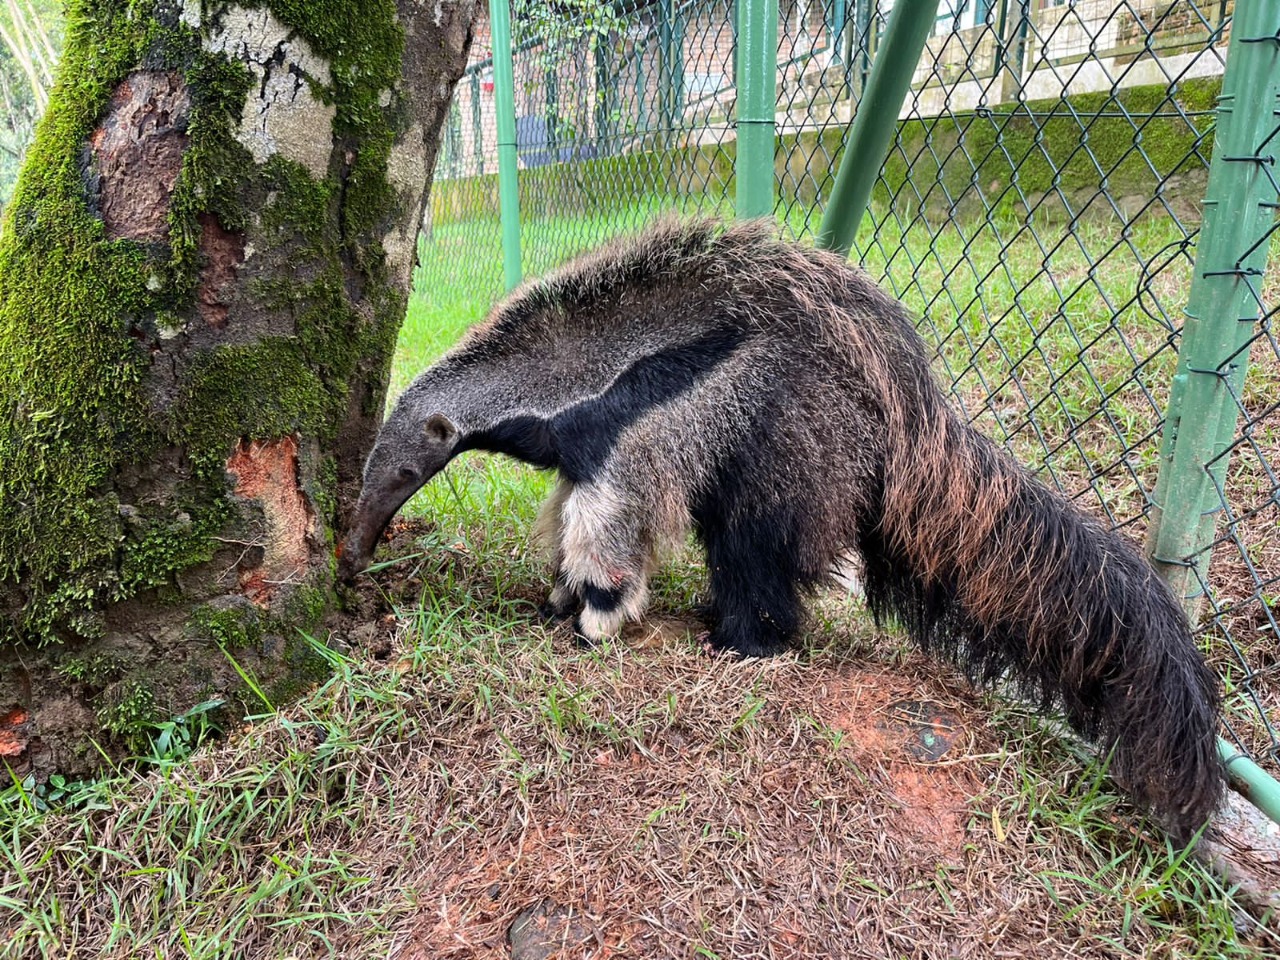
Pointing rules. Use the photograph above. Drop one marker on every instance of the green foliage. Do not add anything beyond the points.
(129, 712)
(566, 31)
(172, 741)
(305, 608)
(308, 665)
(96, 670)
(1047, 152)
(163, 544)
(566, 26)
(232, 626)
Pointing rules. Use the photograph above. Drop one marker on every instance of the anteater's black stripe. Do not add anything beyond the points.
(526, 438)
(580, 439)
(600, 598)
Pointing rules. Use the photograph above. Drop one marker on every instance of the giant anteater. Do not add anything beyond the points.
(771, 398)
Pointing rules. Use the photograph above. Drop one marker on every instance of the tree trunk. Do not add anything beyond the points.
(202, 274)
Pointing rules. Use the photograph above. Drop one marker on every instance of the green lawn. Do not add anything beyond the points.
(412, 805)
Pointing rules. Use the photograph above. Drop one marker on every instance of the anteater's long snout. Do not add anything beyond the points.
(356, 549)
(378, 504)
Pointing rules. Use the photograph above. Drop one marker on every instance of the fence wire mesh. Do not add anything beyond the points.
(1039, 211)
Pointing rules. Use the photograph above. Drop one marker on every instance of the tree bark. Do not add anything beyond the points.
(202, 274)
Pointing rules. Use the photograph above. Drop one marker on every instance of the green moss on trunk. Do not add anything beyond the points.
(71, 404)
(197, 317)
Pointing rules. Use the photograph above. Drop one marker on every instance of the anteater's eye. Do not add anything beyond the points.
(408, 473)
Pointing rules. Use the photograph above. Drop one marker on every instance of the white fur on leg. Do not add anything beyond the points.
(597, 625)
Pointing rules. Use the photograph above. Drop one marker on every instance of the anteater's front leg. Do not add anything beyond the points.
(563, 601)
(604, 558)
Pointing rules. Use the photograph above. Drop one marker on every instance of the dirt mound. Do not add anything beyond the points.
(906, 740)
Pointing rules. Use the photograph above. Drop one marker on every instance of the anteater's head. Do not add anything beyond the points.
(412, 447)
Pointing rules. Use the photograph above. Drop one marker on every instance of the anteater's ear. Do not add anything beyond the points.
(441, 428)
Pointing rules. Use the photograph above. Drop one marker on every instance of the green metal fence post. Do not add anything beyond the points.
(1221, 307)
(551, 91)
(477, 127)
(757, 80)
(604, 99)
(670, 64)
(910, 23)
(1257, 786)
(677, 62)
(857, 60)
(839, 16)
(504, 102)
(642, 109)
(666, 66)
(449, 146)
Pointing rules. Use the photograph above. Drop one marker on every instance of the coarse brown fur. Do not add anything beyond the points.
(774, 400)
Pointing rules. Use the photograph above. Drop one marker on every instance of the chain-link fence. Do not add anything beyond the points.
(1040, 211)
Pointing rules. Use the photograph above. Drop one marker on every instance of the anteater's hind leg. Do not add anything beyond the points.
(563, 601)
(755, 597)
(606, 559)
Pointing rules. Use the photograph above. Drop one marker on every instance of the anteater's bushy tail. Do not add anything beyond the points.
(989, 568)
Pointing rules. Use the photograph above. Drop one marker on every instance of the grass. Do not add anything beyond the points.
(412, 806)
(419, 800)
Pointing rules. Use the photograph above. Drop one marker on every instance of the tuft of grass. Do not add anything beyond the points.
(413, 806)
